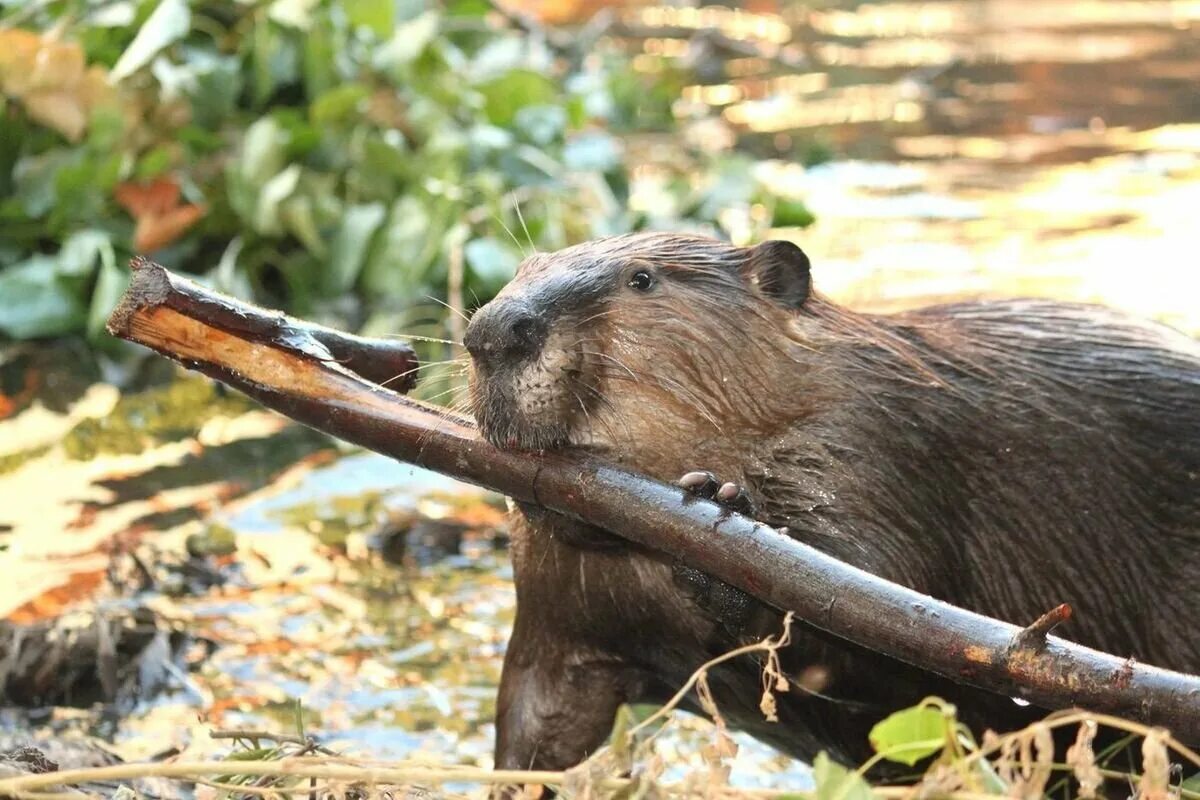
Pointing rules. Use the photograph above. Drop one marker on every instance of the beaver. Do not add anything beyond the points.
(1004, 456)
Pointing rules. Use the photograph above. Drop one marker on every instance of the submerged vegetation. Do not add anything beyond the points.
(348, 162)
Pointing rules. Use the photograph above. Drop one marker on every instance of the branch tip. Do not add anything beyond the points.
(1034, 636)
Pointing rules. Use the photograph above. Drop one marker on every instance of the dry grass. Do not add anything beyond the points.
(1022, 765)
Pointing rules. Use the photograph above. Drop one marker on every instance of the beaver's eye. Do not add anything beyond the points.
(641, 280)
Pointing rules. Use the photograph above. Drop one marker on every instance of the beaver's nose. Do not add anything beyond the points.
(504, 331)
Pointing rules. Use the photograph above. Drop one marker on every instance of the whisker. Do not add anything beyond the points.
(447, 305)
(511, 235)
(586, 415)
(595, 316)
(418, 338)
(434, 398)
(426, 365)
(610, 358)
(520, 216)
(604, 400)
(678, 390)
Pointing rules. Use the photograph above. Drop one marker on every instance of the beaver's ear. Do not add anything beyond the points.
(780, 270)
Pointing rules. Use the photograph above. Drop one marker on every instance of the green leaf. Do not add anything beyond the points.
(910, 735)
(491, 261)
(263, 151)
(168, 23)
(37, 301)
(297, 216)
(621, 741)
(1191, 784)
(338, 103)
(377, 15)
(318, 60)
(107, 130)
(468, 8)
(110, 285)
(592, 152)
(502, 54)
(397, 264)
(791, 214)
(385, 155)
(408, 42)
(114, 15)
(506, 95)
(835, 782)
(154, 163)
(79, 253)
(215, 90)
(266, 215)
(351, 243)
(274, 59)
(35, 179)
(541, 124)
(293, 13)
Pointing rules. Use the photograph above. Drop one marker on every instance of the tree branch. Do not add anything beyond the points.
(286, 365)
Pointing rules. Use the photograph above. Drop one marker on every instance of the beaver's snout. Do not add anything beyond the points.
(520, 390)
(505, 332)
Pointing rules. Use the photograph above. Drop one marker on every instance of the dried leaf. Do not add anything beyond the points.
(1082, 760)
(161, 219)
(1026, 760)
(1155, 783)
(144, 199)
(63, 111)
(153, 233)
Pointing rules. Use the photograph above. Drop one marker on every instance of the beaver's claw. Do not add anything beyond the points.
(705, 484)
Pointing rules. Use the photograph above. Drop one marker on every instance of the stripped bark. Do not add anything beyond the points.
(286, 365)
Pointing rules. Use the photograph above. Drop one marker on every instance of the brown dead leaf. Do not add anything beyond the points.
(18, 51)
(155, 205)
(51, 79)
(1155, 783)
(60, 110)
(1082, 760)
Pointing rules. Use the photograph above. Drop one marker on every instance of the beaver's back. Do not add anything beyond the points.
(1042, 453)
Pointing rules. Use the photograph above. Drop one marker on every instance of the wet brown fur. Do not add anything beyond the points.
(1005, 457)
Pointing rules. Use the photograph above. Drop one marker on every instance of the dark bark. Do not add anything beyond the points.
(291, 372)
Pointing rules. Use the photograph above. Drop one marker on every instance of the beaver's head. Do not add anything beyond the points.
(636, 338)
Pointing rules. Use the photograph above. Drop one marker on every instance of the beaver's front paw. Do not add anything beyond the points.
(730, 606)
(730, 495)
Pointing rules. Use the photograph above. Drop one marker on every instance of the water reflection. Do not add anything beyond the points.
(998, 147)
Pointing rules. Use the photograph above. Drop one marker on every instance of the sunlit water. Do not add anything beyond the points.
(991, 149)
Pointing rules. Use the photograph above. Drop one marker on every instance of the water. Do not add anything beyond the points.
(988, 148)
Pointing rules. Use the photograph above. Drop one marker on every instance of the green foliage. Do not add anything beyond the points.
(911, 734)
(325, 157)
(835, 782)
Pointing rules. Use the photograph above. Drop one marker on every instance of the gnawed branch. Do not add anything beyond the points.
(328, 381)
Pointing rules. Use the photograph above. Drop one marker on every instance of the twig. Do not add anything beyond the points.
(1033, 637)
(377, 360)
